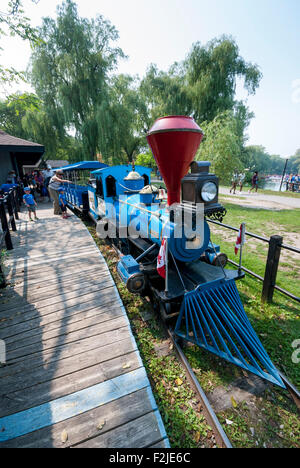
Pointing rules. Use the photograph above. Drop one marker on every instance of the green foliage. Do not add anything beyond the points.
(120, 137)
(12, 111)
(14, 22)
(221, 146)
(256, 158)
(164, 93)
(70, 70)
(212, 71)
(146, 159)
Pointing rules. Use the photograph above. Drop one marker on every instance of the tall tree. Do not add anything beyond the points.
(165, 93)
(203, 85)
(123, 133)
(211, 74)
(70, 72)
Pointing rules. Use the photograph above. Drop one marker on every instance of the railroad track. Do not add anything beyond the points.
(211, 417)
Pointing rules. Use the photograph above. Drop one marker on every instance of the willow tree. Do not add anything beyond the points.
(165, 93)
(122, 132)
(204, 84)
(70, 72)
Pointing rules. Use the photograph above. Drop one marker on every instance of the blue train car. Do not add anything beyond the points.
(107, 185)
(80, 175)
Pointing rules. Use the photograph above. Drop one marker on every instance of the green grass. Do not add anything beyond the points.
(264, 223)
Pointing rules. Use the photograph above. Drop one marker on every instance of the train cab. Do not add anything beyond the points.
(80, 176)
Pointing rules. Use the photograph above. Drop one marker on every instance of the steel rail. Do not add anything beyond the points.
(219, 433)
(294, 392)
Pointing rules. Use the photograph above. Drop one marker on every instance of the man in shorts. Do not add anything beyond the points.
(30, 203)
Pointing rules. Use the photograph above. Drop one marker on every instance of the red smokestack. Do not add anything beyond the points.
(174, 142)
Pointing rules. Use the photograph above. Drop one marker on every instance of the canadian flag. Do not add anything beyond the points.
(161, 259)
(240, 238)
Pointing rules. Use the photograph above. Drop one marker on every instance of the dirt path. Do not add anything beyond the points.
(261, 200)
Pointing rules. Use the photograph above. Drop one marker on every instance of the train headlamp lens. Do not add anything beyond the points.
(209, 191)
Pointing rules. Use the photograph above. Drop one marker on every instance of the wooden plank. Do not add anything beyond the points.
(47, 414)
(55, 320)
(32, 253)
(45, 289)
(71, 364)
(12, 307)
(60, 328)
(18, 264)
(63, 351)
(71, 354)
(77, 269)
(89, 301)
(25, 351)
(140, 433)
(86, 425)
(57, 290)
(57, 266)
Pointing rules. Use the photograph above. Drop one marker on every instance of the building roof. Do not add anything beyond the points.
(55, 163)
(11, 143)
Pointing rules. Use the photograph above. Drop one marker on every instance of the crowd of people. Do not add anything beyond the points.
(39, 185)
(293, 182)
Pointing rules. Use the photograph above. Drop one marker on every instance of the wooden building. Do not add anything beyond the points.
(15, 153)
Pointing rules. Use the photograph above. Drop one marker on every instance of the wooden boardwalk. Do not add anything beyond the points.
(73, 374)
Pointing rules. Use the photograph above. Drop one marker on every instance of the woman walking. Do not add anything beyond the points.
(53, 188)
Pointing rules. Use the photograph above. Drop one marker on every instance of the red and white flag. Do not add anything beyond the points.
(161, 259)
(240, 238)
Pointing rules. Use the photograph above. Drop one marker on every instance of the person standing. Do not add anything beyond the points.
(48, 174)
(30, 203)
(234, 182)
(53, 188)
(242, 176)
(254, 182)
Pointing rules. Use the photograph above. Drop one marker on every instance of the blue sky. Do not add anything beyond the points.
(163, 31)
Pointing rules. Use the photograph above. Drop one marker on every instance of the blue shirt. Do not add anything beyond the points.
(62, 199)
(28, 199)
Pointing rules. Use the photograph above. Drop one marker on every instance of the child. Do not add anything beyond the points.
(63, 202)
(30, 203)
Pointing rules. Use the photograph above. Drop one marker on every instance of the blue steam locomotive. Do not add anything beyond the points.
(196, 288)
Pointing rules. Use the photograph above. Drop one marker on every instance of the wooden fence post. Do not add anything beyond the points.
(15, 202)
(271, 268)
(10, 210)
(5, 227)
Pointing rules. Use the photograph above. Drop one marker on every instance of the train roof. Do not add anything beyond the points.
(92, 165)
(122, 168)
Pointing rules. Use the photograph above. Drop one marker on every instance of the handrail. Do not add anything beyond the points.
(9, 203)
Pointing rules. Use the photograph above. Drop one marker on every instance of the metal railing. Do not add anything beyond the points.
(269, 280)
(9, 212)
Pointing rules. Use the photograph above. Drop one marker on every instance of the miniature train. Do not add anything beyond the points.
(197, 288)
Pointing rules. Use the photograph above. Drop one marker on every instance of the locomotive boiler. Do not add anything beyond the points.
(198, 289)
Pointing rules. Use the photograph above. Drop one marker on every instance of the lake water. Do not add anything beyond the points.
(272, 185)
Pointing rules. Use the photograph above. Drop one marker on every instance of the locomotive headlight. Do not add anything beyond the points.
(209, 191)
